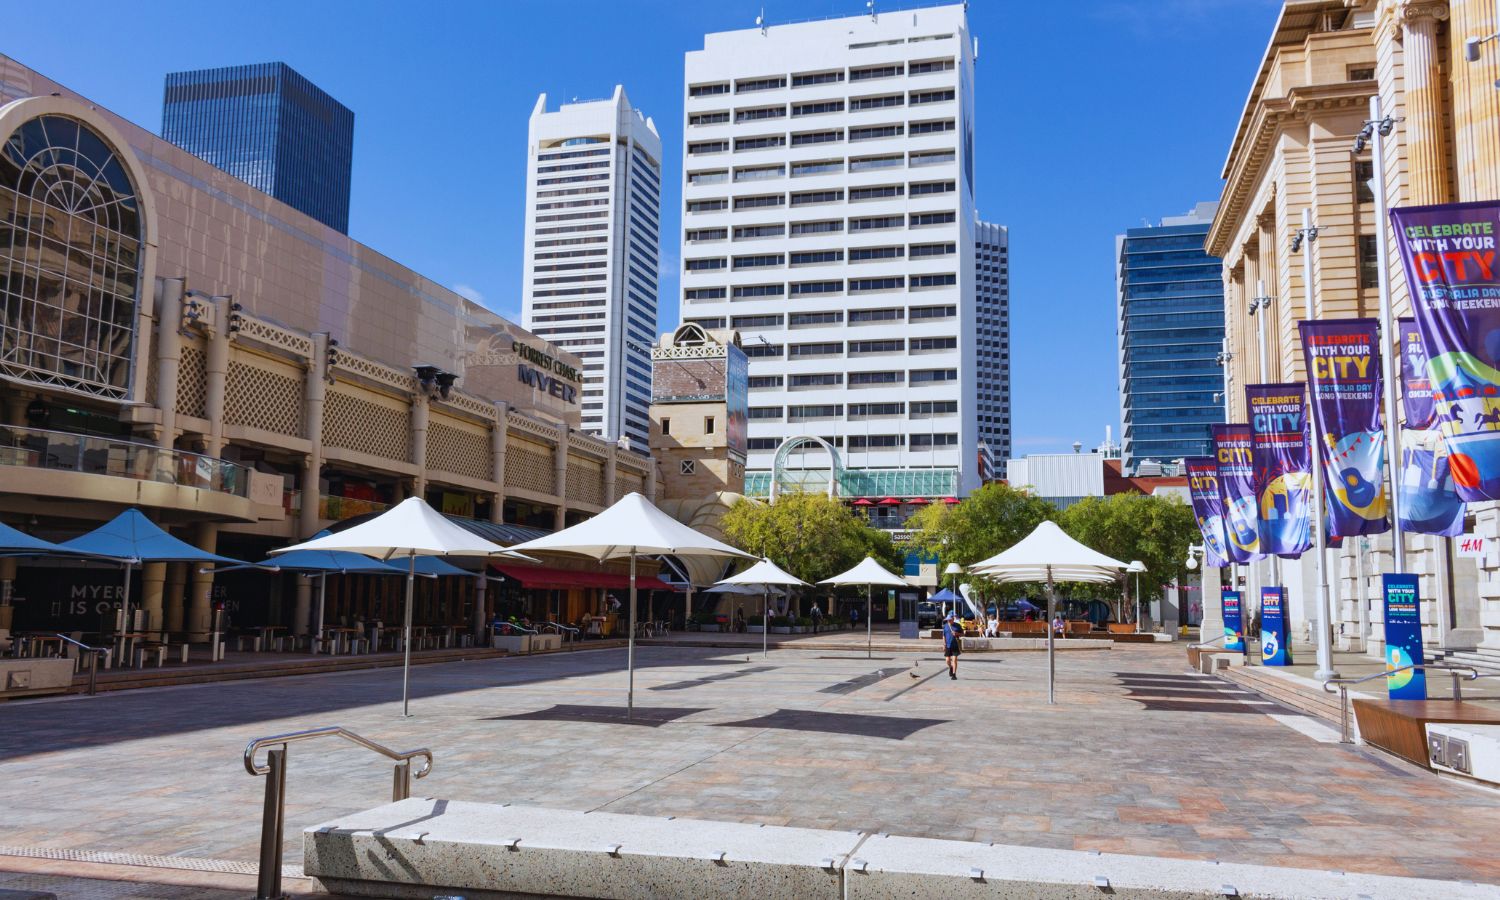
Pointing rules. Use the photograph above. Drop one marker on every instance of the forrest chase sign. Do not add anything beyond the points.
(545, 372)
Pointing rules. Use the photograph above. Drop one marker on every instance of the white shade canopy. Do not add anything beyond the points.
(410, 528)
(1048, 553)
(749, 590)
(631, 527)
(867, 572)
(764, 572)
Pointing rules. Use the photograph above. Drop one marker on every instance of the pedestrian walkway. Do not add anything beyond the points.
(1137, 757)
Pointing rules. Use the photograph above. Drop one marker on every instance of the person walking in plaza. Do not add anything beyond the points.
(952, 644)
(817, 616)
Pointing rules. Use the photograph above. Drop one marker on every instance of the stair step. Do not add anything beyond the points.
(1310, 700)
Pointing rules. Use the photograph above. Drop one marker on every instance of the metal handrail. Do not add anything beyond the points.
(93, 660)
(1211, 641)
(268, 885)
(1344, 683)
(572, 633)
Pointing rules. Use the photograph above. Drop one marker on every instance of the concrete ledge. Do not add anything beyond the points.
(981, 644)
(419, 847)
(33, 677)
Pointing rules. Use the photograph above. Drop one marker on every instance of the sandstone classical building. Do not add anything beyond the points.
(1294, 150)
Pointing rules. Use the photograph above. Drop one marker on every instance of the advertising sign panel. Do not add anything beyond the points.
(1208, 508)
(737, 398)
(1275, 650)
(1403, 638)
(1429, 500)
(1234, 622)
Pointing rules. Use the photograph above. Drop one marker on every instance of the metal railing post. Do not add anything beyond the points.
(1344, 737)
(93, 673)
(401, 784)
(268, 886)
(1458, 691)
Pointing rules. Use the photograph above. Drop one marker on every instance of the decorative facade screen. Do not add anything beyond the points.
(70, 259)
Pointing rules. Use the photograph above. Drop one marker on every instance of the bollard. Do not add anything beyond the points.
(93, 673)
(268, 885)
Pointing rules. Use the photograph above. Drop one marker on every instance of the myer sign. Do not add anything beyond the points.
(546, 372)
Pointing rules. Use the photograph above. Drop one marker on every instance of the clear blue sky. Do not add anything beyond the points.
(1092, 116)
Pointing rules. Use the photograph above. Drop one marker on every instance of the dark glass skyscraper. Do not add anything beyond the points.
(269, 127)
(1170, 318)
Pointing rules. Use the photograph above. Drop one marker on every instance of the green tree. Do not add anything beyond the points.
(990, 520)
(809, 535)
(1154, 530)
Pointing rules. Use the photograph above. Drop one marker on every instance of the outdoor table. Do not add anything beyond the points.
(268, 634)
(341, 637)
(36, 644)
(126, 641)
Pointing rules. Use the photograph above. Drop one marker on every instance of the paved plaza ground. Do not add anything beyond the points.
(1137, 757)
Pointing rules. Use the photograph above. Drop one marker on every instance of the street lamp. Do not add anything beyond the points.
(1194, 551)
(1137, 567)
(955, 570)
(1304, 239)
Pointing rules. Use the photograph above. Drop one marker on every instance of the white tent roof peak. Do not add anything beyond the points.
(1049, 553)
(867, 572)
(632, 526)
(410, 528)
(763, 573)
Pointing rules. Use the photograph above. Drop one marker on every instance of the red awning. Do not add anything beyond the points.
(890, 501)
(547, 577)
(862, 502)
(950, 500)
(917, 501)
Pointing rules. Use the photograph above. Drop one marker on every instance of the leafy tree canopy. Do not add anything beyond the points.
(809, 535)
(1154, 530)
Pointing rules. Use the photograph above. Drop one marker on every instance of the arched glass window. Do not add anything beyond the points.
(70, 259)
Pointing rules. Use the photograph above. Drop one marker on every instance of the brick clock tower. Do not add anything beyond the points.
(700, 397)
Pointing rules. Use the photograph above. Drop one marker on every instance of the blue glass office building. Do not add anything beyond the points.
(269, 127)
(1170, 321)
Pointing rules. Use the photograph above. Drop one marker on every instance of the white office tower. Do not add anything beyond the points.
(992, 296)
(593, 230)
(829, 216)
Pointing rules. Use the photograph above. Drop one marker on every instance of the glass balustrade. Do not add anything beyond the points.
(35, 448)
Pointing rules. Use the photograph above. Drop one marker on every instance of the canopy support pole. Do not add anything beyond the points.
(869, 626)
(1051, 663)
(765, 623)
(322, 598)
(125, 617)
(411, 580)
(630, 645)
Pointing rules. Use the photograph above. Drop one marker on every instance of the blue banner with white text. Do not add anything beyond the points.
(1344, 379)
(1232, 456)
(1403, 638)
(1234, 622)
(1275, 649)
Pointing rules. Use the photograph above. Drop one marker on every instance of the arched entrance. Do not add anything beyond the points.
(799, 479)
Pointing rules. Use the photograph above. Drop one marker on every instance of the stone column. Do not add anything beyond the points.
(611, 466)
(499, 436)
(153, 585)
(217, 369)
(168, 356)
(172, 597)
(1426, 147)
(7, 591)
(651, 482)
(1210, 595)
(481, 611)
(560, 467)
(199, 609)
(421, 412)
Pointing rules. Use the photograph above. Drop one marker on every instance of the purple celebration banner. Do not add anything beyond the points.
(1416, 389)
(1429, 501)
(1449, 256)
(1208, 508)
(1283, 469)
(1237, 490)
(1343, 367)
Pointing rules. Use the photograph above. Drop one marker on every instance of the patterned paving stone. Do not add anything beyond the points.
(1137, 757)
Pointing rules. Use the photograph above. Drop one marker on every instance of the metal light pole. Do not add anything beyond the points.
(1306, 237)
(1378, 128)
(1225, 359)
(1137, 567)
(1260, 303)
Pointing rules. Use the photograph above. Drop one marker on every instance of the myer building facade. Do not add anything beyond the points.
(1294, 149)
(175, 340)
(829, 219)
